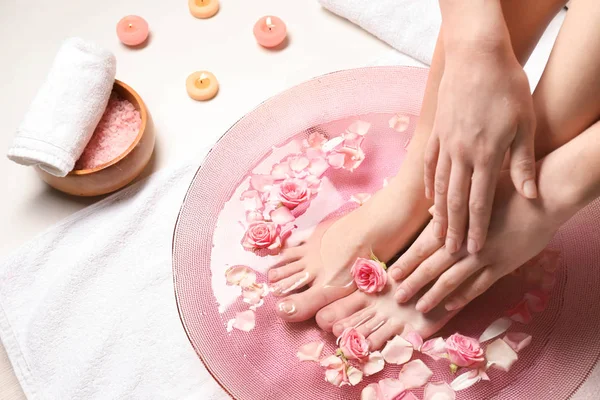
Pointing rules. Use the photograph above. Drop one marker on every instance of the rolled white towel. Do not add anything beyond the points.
(66, 109)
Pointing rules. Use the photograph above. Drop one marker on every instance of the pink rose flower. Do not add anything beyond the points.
(293, 192)
(464, 351)
(262, 235)
(353, 344)
(369, 275)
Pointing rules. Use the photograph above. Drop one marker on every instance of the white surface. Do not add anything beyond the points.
(179, 45)
(66, 109)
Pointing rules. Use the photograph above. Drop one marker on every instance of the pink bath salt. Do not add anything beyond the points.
(116, 131)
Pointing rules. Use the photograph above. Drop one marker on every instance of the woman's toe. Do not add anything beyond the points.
(353, 321)
(340, 309)
(378, 338)
(302, 306)
(292, 283)
(278, 273)
(371, 325)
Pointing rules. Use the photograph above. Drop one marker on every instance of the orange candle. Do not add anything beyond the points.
(132, 30)
(270, 31)
(202, 85)
(203, 8)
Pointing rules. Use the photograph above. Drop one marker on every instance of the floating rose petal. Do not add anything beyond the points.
(399, 122)
(332, 144)
(310, 351)
(355, 375)
(391, 388)
(496, 328)
(336, 160)
(313, 182)
(548, 281)
(245, 321)
(281, 171)
(397, 351)
(316, 139)
(240, 275)
(537, 300)
(353, 141)
(359, 127)
(434, 348)
(374, 364)
(500, 355)
(360, 198)
(414, 374)
(336, 377)
(520, 313)
(254, 294)
(262, 183)
(253, 203)
(318, 167)
(298, 163)
(282, 216)
(466, 380)
(371, 392)
(352, 157)
(438, 391)
(331, 361)
(415, 339)
(517, 340)
(313, 154)
(253, 216)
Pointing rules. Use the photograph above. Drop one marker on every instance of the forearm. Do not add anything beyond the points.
(571, 175)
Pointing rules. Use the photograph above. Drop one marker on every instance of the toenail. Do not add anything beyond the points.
(401, 295)
(397, 274)
(272, 275)
(328, 315)
(287, 307)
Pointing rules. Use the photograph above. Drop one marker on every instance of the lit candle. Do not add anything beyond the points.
(132, 30)
(203, 8)
(270, 31)
(202, 85)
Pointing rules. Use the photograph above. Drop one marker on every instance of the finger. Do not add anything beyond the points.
(458, 200)
(442, 177)
(522, 162)
(472, 288)
(481, 199)
(450, 280)
(431, 158)
(420, 250)
(429, 270)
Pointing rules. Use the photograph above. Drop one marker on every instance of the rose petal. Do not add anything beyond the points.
(414, 374)
(254, 294)
(397, 351)
(371, 392)
(500, 355)
(496, 328)
(434, 348)
(374, 363)
(390, 388)
(281, 171)
(298, 163)
(465, 380)
(310, 351)
(335, 377)
(282, 216)
(359, 127)
(537, 300)
(262, 183)
(353, 141)
(245, 321)
(355, 375)
(313, 182)
(253, 216)
(240, 275)
(399, 122)
(318, 167)
(360, 198)
(438, 391)
(548, 281)
(253, 203)
(517, 340)
(316, 139)
(331, 361)
(415, 339)
(336, 160)
(313, 154)
(332, 144)
(520, 313)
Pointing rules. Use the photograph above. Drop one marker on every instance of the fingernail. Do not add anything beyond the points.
(451, 306)
(428, 193)
(397, 274)
(437, 230)
(530, 189)
(472, 247)
(287, 307)
(401, 295)
(451, 245)
(422, 306)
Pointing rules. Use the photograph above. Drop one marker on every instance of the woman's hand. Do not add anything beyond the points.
(484, 109)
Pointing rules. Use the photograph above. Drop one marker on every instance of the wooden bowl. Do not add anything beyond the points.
(117, 173)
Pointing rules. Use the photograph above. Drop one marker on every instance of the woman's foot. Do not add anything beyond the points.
(379, 317)
(384, 224)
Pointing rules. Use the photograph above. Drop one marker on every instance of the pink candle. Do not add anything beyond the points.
(132, 30)
(270, 31)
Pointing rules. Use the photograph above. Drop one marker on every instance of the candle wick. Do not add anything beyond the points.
(130, 25)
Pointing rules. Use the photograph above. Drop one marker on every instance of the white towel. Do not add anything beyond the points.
(410, 26)
(87, 310)
(66, 109)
